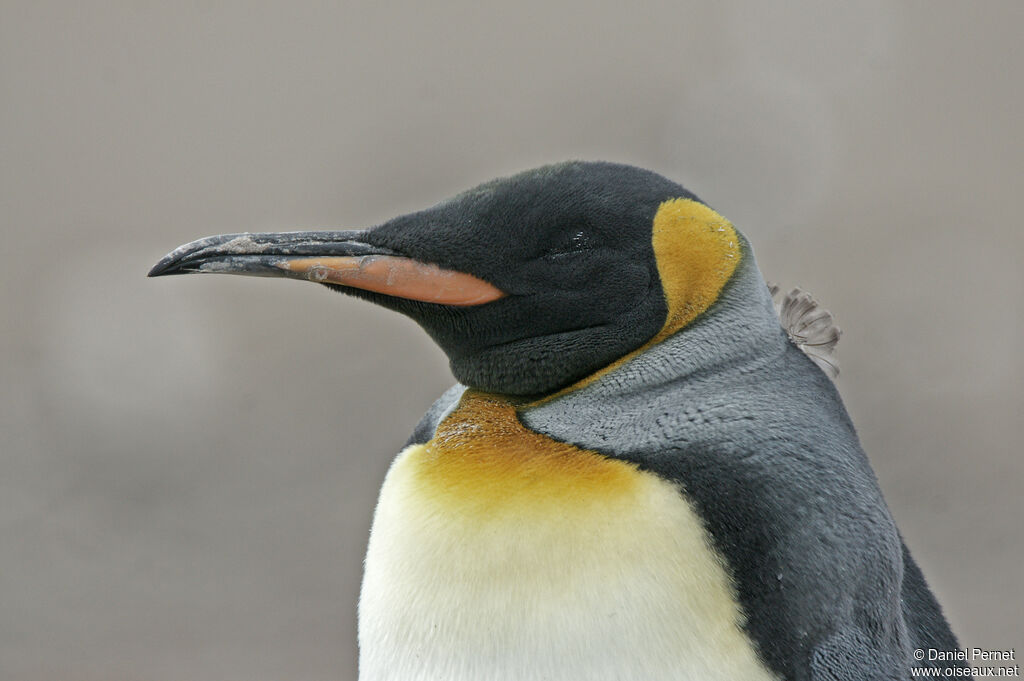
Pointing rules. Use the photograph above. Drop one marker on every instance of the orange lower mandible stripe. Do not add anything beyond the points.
(397, 276)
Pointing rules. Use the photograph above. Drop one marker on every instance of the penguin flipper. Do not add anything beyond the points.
(424, 430)
(848, 655)
(842, 656)
(926, 624)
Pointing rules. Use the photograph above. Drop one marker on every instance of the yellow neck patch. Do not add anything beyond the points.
(483, 461)
(696, 251)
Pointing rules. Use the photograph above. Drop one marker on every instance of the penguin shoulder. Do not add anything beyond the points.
(441, 407)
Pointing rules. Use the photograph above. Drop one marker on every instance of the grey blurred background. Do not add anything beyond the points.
(189, 465)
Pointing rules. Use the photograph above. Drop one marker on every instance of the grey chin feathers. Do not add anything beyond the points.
(810, 327)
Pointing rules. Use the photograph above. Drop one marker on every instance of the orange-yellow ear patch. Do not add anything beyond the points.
(697, 252)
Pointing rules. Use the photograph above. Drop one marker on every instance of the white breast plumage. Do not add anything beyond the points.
(500, 554)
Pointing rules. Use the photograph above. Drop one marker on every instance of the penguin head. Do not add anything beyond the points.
(528, 283)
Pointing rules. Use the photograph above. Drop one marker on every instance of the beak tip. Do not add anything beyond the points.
(162, 268)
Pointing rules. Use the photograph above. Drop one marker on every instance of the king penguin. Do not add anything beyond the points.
(638, 475)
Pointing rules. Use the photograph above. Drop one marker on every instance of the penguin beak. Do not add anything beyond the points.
(342, 258)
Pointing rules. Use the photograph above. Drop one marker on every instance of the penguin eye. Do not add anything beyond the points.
(575, 242)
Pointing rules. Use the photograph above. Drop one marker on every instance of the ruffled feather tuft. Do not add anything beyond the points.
(810, 327)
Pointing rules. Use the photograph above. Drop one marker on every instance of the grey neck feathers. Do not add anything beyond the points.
(703, 366)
